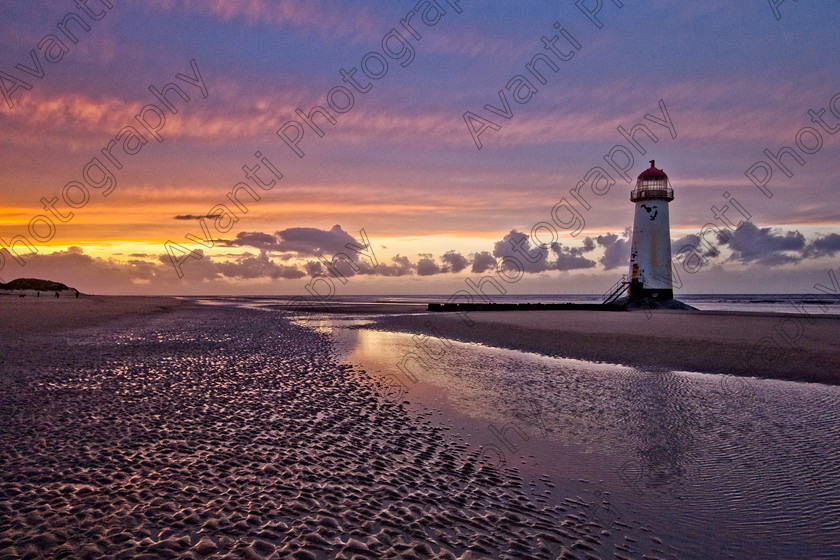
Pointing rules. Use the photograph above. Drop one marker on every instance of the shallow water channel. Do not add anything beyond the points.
(713, 466)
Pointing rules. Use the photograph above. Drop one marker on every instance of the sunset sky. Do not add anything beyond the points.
(107, 201)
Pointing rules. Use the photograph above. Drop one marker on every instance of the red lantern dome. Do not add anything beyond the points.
(652, 184)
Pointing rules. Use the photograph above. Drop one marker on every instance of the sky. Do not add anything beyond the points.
(327, 147)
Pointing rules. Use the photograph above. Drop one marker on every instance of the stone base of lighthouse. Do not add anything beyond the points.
(646, 302)
(638, 291)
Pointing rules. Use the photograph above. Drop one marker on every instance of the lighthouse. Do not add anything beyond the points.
(650, 247)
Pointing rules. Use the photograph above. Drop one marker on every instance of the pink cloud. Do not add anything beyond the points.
(356, 22)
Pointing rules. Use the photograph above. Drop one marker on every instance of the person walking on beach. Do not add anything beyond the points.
(56, 295)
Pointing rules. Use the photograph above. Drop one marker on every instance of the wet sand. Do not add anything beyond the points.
(779, 346)
(20, 317)
(215, 432)
(156, 428)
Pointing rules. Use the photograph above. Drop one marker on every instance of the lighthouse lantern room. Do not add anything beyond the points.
(650, 249)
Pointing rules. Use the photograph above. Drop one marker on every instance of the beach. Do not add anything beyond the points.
(211, 432)
(23, 317)
(159, 428)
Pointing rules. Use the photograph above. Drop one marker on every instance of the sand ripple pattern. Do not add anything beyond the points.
(219, 433)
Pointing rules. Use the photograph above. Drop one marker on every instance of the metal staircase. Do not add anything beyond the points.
(617, 290)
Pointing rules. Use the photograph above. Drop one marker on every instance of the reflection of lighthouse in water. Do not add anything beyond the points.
(650, 248)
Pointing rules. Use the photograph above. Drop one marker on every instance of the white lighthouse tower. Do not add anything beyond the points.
(650, 249)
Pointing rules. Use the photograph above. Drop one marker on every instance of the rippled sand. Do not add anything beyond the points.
(231, 433)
